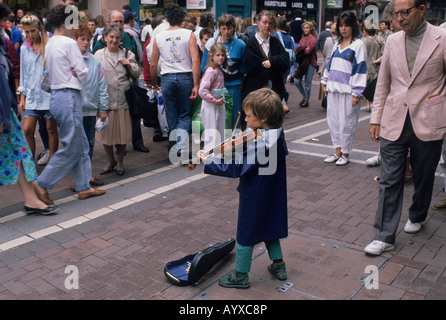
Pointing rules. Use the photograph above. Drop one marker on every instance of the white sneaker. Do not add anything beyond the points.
(377, 247)
(374, 161)
(412, 227)
(342, 161)
(44, 157)
(197, 139)
(331, 158)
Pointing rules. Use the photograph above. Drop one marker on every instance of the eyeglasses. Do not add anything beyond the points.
(403, 13)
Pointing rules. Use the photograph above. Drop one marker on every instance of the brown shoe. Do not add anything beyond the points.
(96, 182)
(43, 196)
(94, 193)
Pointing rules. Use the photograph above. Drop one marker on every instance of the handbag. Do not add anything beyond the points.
(150, 114)
(136, 97)
(45, 85)
(162, 116)
(369, 91)
(290, 51)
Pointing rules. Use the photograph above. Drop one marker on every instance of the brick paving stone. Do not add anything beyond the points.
(408, 262)
(388, 273)
(40, 286)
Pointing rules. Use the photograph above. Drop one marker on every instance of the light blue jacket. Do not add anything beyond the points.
(94, 91)
(31, 76)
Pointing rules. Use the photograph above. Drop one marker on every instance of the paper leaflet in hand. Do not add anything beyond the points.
(101, 124)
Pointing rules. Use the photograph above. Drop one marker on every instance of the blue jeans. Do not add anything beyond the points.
(306, 92)
(137, 140)
(66, 108)
(176, 89)
(90, 132)
(236, 94)
(43, 133)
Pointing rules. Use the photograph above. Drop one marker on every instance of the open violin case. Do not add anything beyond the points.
(189, 269)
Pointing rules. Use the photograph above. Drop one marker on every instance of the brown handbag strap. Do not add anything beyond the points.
(263, 52)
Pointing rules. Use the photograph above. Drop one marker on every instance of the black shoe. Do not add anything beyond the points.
(110, 169)
(141, 149)
(159, 138)
(304, 104)
(46, 211)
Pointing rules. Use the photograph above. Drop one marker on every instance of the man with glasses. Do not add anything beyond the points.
(409, 112)
(127, 42)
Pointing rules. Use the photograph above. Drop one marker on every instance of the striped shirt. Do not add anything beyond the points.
(346, 72)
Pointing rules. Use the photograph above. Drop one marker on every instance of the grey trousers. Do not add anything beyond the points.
(424, 158)
(443, 162)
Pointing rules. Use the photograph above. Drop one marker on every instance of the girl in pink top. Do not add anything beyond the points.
(308, 40)
(213, 113)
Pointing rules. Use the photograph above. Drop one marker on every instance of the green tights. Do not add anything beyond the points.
(243, 255)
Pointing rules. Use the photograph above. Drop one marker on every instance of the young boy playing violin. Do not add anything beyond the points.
(262, 214)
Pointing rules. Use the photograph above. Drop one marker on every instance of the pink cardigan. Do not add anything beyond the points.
(310, 43)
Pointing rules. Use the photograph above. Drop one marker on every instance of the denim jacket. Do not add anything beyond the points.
(94, 91)
(31, 76)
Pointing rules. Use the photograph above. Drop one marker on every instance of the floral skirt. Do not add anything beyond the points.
(14, 150)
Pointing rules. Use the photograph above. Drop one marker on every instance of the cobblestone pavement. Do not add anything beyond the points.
(158, 212)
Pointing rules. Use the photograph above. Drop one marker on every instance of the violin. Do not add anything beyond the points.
(230, 144)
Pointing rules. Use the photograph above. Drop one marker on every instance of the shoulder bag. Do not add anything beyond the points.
(290, 52)
(136, 96)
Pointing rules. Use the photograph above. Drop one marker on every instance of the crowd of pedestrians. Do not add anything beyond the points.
(89, 69)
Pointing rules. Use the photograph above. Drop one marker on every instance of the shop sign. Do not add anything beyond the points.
(335, 4)
(195, 4)
(298, 5)
(275, 4)
(153, 2)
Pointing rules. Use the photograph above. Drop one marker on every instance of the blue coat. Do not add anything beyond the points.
(262, 214)
(7, 93)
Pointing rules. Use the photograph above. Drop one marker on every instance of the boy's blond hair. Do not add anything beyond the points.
(265, 104)
(214, 49)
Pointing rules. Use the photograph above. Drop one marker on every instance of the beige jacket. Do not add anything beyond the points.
(375, 48)
(116, 75)
(423, 94)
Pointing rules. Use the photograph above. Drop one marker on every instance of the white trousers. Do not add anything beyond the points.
(342, 119)
(214, 120)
